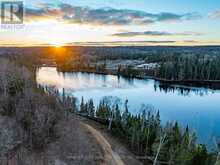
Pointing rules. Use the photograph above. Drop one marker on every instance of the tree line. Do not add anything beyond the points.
(189, 67)
(147, 137)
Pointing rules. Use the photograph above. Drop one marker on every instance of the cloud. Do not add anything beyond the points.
(103, 16)
(177, 17)
(154, 33)
(121, 43)
(43, 11)
(135, 43)
(216, 14)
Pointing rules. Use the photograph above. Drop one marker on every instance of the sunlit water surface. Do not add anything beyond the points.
(197, 107)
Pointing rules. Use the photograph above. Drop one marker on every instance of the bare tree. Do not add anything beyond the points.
(112, 103)
(162, 140)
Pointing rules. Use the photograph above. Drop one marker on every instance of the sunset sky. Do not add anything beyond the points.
(116, 22)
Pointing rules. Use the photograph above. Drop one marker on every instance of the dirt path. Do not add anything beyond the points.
(113, 148)
(76, 145)
(111, 157)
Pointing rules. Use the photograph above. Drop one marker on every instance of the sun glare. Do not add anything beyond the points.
(57, 45)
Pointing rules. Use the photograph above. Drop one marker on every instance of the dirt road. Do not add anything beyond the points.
(113, 147)
(111, 157)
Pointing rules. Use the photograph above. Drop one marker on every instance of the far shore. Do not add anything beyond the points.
(212, 84)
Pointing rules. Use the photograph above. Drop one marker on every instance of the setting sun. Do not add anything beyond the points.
(57, 45)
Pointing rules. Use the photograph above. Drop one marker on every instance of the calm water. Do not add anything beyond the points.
(197, 107)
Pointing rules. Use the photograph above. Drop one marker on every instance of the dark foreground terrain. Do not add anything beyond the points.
(37, 129)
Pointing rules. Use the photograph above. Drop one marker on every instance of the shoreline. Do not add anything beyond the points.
(212, 84)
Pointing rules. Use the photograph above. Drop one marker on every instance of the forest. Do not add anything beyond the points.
(175, 63)
(146, 136)
(188, 67)
(36, 111)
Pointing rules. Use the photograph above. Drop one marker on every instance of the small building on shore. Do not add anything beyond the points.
(148, 66)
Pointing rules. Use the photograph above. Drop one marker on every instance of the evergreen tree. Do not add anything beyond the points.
(91, 108)
(82, 106)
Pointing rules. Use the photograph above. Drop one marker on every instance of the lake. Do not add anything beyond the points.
(197, 107)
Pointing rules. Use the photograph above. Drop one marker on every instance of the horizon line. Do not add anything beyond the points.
(119, 44)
